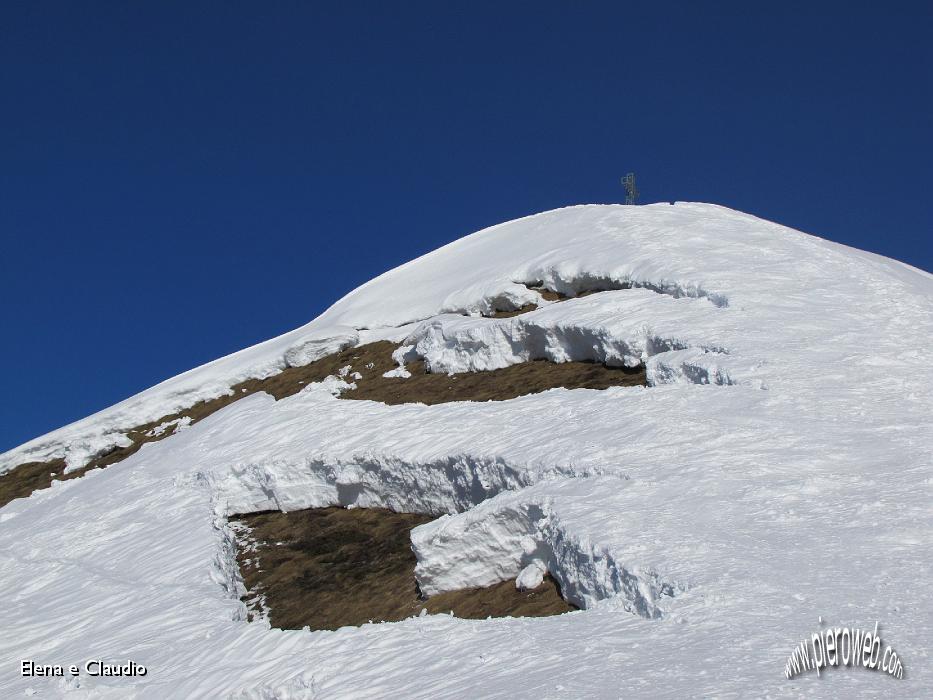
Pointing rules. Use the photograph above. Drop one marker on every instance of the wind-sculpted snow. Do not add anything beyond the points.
(740, 266)
(504, 526)
(704, 529)
(551, 281)
(493, 541)
(572, 285)
(500, 538)
(665, 248)
(450, 485)
(79, 442)
(621, 328)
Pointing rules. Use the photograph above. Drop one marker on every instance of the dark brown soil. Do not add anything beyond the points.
(493, 385)
(551, 295)
(548, 294)
(370, 361)
(331, 567)
(500, 313)
(25, 478)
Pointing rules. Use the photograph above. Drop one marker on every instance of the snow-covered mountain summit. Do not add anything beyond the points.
(775, 469)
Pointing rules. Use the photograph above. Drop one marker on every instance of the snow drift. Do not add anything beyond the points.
(776, 470)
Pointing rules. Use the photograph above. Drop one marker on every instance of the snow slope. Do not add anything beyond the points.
(777, 470)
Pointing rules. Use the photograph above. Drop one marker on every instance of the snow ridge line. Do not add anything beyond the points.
(450, 484)
(689, 366)
(224, 570)
(572, 285)
(526, 289)
(588, 574)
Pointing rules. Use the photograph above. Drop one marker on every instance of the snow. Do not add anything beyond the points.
(531, 576)
(176, 425)
(397, 373)
(776, 470)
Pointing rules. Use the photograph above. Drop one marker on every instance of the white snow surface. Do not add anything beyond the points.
(776, 471)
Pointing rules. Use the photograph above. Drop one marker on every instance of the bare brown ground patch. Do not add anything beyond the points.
(332, 567)
(25, 478)
(551, 295)
(547, 294)
(509, 313)
(373, 360)
(370, 362)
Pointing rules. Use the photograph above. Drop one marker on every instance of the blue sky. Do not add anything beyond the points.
(181, 180)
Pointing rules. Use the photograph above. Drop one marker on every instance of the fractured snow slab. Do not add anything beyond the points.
(705, 528)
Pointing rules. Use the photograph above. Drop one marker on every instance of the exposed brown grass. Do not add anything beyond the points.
(548, 295)
(332, 567)
(509, 313)
(371, 361)
(30, 476)
(23, 479)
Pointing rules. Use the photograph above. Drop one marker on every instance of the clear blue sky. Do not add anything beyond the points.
(181, 180)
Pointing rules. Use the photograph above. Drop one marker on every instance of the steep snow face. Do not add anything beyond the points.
(769, 274)
(610, 329)
(777, 470)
